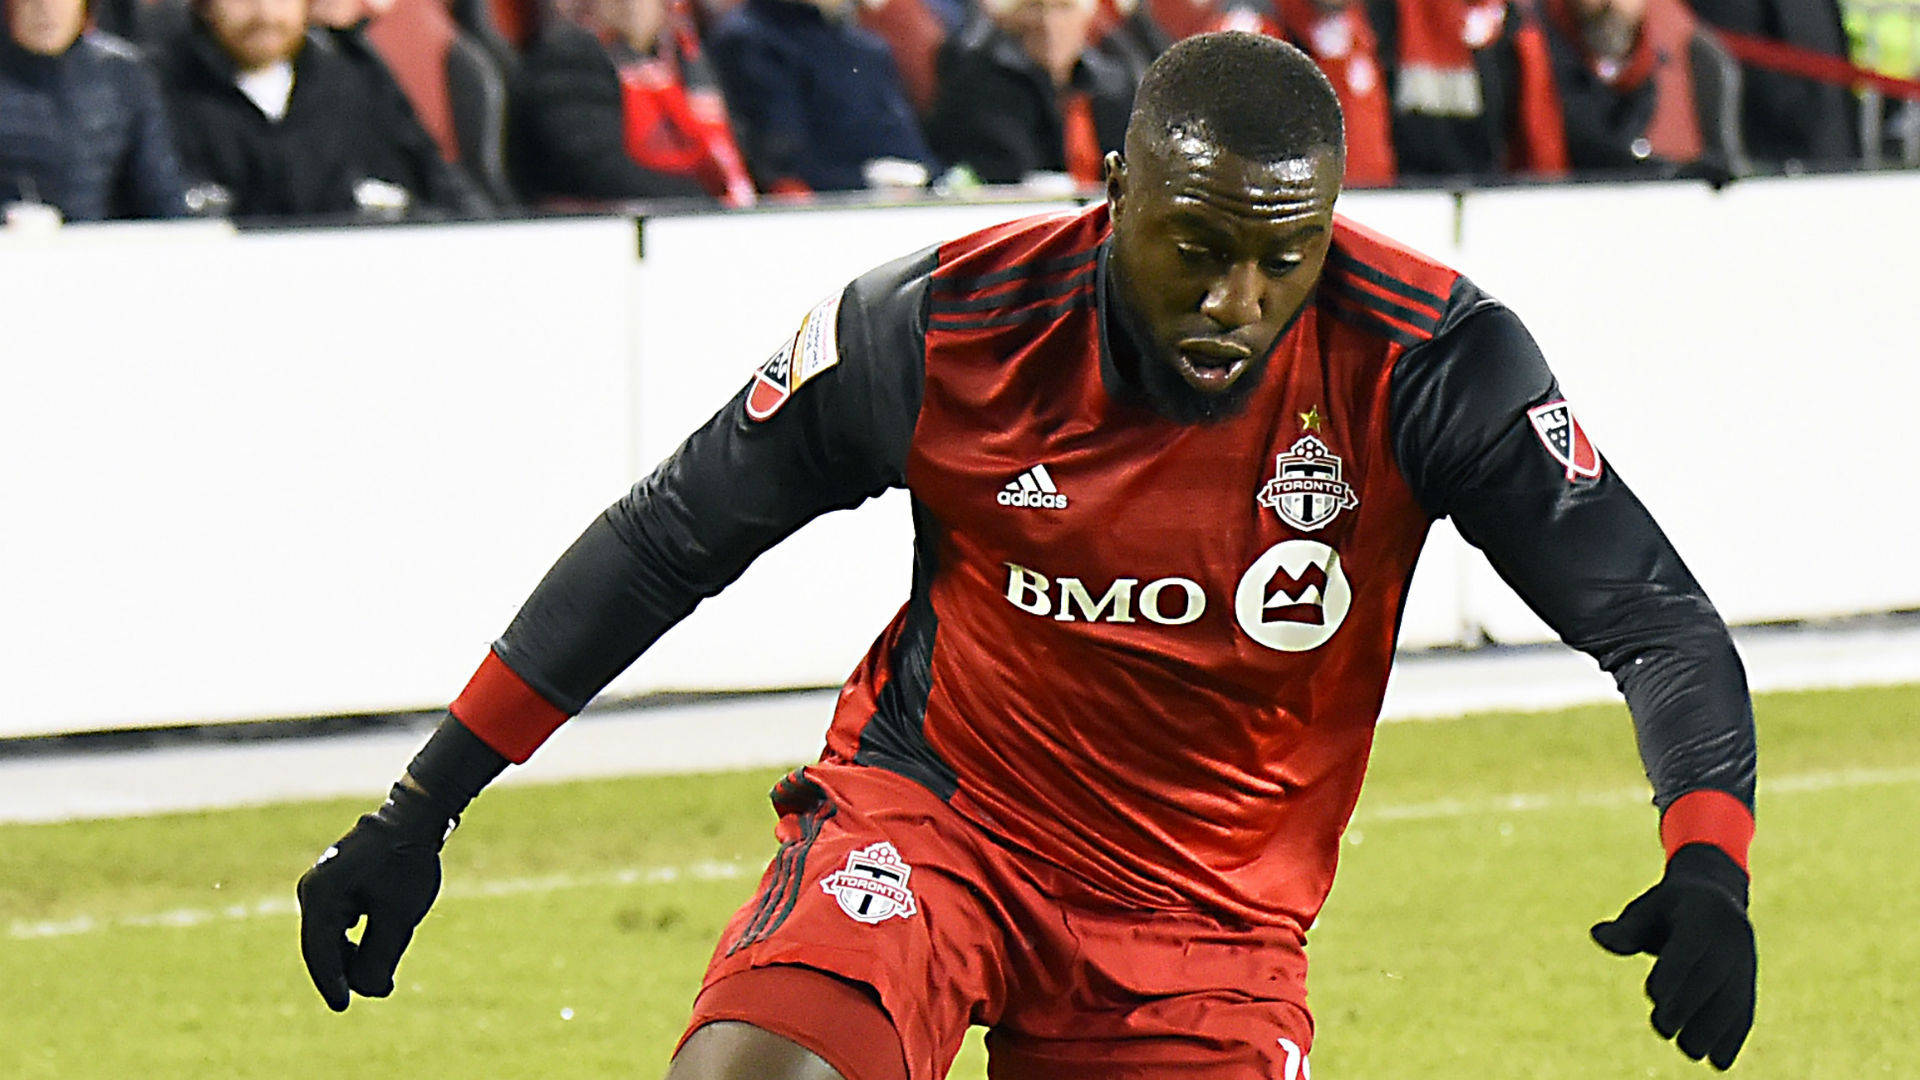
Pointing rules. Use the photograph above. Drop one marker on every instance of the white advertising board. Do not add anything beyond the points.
(314, 472)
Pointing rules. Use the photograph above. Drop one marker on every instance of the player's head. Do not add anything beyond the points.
(255, 34)
(1222, 212)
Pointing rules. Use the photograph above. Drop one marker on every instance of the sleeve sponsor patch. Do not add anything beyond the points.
(812, 349)
(1563, 438)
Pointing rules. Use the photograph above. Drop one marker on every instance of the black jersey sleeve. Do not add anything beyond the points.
(736, 487)
(1581, 550)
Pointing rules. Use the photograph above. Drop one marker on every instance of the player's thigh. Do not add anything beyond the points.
(734, 1050)
(1163, 996)
(879, 886)
(1201, 1039)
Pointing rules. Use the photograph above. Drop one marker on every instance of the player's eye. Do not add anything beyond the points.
(1194, 254)
(1285, 263)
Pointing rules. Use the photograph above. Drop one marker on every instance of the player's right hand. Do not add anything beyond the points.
(387, 869)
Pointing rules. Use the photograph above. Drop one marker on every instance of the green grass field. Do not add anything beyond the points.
(577, 919)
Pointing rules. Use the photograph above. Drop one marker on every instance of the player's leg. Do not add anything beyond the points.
(870, 944)
(733, 1050)
(1210, 1038)
(1167, 996)
(788, 1023)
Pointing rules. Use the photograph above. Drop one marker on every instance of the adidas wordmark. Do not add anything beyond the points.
(1033, 488)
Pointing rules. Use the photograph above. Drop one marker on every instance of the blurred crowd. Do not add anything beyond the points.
(387, 109)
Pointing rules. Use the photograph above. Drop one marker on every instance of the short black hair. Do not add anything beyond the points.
(1253, 95)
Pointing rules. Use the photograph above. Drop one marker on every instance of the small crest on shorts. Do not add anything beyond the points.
(873, 887)
(1564, 439)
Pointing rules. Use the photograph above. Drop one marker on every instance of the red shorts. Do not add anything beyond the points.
(879, 882)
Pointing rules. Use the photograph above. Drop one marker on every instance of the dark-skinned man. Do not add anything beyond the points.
(1172, 459)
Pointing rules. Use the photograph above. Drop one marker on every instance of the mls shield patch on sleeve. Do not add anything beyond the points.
(1561, 434)
(812, 349)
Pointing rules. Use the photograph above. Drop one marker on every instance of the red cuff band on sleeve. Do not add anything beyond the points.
(1708, 817)
(505, 712)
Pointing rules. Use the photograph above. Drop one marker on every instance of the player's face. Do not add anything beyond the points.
(1214, 254)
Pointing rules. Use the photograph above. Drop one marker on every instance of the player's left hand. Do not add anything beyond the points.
(1695, 921)
(387, 869)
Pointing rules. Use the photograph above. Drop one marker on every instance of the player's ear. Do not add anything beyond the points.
(1115, 168)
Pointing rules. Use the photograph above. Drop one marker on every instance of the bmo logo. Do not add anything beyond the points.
(1292, 599)
(1169, 601)
(1294, 596)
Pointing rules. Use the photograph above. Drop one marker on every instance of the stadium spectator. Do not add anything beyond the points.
(1339, 37)
(816, 101)
(914, 30)
(285, 125)
(1024, 93)
(345, 22)
(633, 117)
(1786, 120)
(1603, 65)
(82, 127)
(1472, 87)
(1127, 33)
(1180, 19)
(1095, 816)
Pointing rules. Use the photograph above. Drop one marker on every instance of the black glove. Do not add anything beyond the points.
(1695, 921)
(387, 868)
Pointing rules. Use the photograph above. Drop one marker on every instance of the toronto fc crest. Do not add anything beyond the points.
(1307, 490)
(873, 887)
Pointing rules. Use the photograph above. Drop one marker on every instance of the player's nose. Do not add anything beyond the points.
(1234, 300)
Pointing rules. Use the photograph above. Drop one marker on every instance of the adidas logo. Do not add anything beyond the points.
(1033, 488)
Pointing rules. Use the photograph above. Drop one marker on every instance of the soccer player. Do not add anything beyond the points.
(1172, 458)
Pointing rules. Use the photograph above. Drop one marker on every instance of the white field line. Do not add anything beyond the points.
(286, 906)
(711, 870)
(1793, 784)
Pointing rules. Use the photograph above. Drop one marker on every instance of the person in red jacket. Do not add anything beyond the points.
(676, 121)
(1338, 36)
(1473, 88)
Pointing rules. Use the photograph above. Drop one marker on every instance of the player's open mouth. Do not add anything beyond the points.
(1210, 365)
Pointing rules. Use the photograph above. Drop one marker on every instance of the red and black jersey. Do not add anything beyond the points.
(1147, 651)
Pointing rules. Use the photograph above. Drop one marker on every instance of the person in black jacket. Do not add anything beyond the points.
(285, 124)
(344, 23)
(1789, 120)
(1603, 61)
(568, 133)
(1023, 92)
(81, 125)
(817, 102)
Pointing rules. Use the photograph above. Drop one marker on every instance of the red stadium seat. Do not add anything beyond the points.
(1675, 131)
(514, 19)
(414, 38)
(455, 86)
